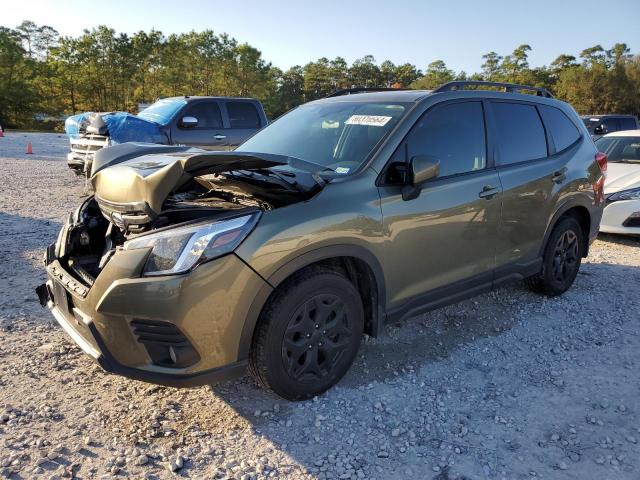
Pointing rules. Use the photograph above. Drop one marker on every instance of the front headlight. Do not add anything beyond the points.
(631, 194)
(177, 250)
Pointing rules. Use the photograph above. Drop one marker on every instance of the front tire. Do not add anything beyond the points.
(308, 334)
(561, 259)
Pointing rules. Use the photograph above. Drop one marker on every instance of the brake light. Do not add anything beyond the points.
(602, 161)
(598, 186)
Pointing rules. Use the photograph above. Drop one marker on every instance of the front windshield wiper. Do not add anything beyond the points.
(308, 165)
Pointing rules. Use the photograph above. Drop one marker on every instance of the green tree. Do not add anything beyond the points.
(436, 74)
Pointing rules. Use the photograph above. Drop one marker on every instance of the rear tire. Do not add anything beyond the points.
(308, 334)
(561, 259)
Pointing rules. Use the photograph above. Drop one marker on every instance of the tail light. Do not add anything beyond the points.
(598, 186)
(602, 161)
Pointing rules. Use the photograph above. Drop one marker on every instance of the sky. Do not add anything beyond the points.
(290, 32)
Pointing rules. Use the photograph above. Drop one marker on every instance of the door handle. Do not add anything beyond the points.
(488, 192)
(559, 176)
(219, 137)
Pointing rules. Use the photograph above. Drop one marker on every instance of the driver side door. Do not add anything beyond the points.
(441, 245)
(209, 133)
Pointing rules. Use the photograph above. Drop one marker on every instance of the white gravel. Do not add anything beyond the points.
(45, 146)
(506, 385)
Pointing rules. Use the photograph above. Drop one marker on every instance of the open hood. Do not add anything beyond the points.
(148, 178)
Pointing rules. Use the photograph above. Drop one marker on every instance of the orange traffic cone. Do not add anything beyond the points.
(29, 149)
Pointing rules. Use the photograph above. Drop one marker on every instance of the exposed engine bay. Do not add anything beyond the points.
(145, 194)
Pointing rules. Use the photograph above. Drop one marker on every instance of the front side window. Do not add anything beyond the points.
(452, 133)
(563, 131)
(243, 115)
(337, 135)
(520, 133)
(207, 113)
(611, 124)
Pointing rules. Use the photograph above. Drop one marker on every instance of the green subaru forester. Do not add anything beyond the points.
(187, 266)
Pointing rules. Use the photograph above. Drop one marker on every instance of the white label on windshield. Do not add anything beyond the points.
(342, 170)
(370, 120)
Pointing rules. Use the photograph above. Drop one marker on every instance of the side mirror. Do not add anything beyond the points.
(189, 122)
(421, 169)
(600, 129)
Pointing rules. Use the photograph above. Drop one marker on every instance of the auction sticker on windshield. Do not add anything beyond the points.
(370, 120)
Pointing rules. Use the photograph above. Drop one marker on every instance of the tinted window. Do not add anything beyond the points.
(207, 113)
(563, 131)
(520, 133)
(612, 124)
(628, 124)
(452, 133)
(243, 115)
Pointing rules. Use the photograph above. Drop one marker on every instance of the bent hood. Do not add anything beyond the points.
(621, 176)
(152, 177)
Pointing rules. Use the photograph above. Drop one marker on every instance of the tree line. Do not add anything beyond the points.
(44, 74)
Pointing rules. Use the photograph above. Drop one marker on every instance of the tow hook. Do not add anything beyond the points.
(43, 294)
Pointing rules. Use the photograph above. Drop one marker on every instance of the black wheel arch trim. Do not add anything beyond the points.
(300, 262)
(575, 201)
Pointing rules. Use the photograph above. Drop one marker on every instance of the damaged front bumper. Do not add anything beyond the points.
(177, 330)
(83, 149)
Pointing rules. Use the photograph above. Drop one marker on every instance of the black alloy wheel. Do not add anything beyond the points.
(316, 338)
(308, 334)
(561, 259)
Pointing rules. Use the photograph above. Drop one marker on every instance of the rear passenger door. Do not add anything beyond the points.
(209, 133)
(244, 121)
(532, 173)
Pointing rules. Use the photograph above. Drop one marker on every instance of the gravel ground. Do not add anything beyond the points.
(45, 146)
(506, 385)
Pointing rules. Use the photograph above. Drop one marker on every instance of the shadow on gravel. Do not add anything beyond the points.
(421, 342)
(626, 240)
(22, 243)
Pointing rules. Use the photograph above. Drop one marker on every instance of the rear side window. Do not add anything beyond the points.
(207, 113)
(520, 133)
(628, 123)
(562, 130)
(454, 134)
(243, 115)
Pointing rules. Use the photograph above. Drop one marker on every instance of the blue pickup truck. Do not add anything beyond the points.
(212, 123)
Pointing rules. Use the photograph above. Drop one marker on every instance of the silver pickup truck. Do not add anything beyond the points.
(212, 123)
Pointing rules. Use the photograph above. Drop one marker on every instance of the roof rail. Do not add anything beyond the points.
(508, 87)
(349, 91)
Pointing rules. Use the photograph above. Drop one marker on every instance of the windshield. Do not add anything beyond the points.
(162, 111)
(620, 149)
(339, 135)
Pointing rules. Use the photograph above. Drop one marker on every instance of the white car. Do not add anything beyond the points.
(622, 186)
